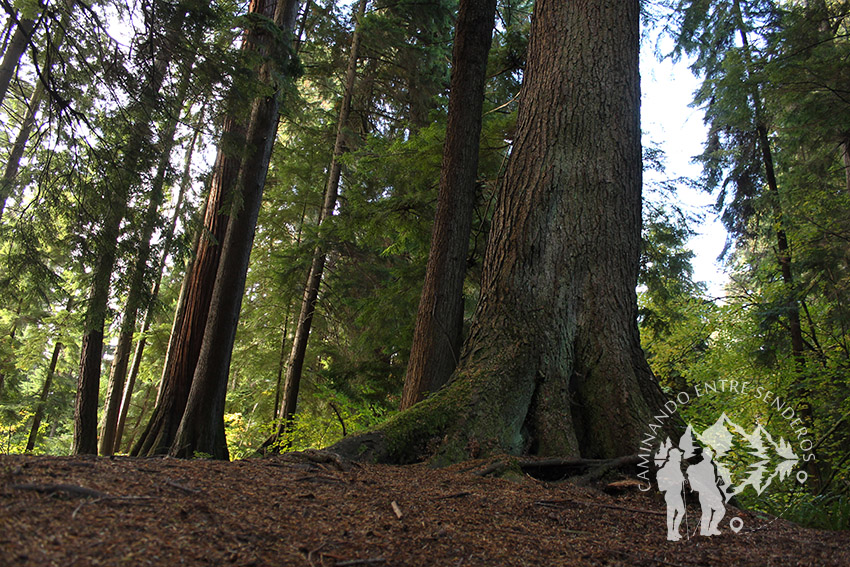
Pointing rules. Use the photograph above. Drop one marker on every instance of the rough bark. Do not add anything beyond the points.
(552, 364)
(201, 429)
(187, 331)
(295, 366)
(439, 321)
(42, 398)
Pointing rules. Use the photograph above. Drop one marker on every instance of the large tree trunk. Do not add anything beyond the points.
(42, 398)
(201, 429)
(439, 321)
(553, 364)
(295, 366)
(187, 331)
(191, 315)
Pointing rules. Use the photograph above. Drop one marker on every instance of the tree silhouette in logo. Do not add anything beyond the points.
(726, 449)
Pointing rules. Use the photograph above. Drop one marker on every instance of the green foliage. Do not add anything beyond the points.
(771, 74)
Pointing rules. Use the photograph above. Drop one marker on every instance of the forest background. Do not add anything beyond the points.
(111, 116)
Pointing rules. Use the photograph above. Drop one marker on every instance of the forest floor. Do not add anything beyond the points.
(76, 511)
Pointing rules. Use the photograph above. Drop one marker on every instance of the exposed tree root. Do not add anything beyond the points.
(582, 471)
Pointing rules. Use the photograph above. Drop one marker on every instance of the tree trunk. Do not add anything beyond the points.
(553, 364)
(783, 249)
(42, 398)
(14, 51)
(201, 429)
(142, 410)
(190, 319)
(439, 321)
(10, 173)
(186, 181)
(13, 164)
(121, 359)
(314, 280)
(88, 385)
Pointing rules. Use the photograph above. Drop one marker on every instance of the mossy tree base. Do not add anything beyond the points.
(552, 364)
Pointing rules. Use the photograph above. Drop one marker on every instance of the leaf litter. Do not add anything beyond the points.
(321, 512)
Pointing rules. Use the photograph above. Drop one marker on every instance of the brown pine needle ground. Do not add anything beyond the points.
(72, 512)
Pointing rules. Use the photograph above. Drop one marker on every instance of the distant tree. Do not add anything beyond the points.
(202, 425)
(311, 291)
(135, 160)
(42, 398)
(439, 322)
(136, 291)
(150, 311)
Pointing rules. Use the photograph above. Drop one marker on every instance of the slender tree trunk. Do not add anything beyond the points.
(10, 173)
(439, 322)
(14, 50)
(553, 364)
(783, 248)
(186, 181)
(845, 157)
(88, 385)
(190, 319)
(121, 359)
(311, 291)
(42, 398)
(13, 164)
(142, 411)
(12, 333)
(202, 426)
(281, 365)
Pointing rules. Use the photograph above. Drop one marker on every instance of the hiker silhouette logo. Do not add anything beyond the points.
(713, 462)
(699, 468)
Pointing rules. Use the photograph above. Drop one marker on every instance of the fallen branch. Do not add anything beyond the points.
(70, 489)
(557, 468)
(493, 468)
(457, 495)
(179, 486)
(600, 470)
(74, 490)
(350, 562)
